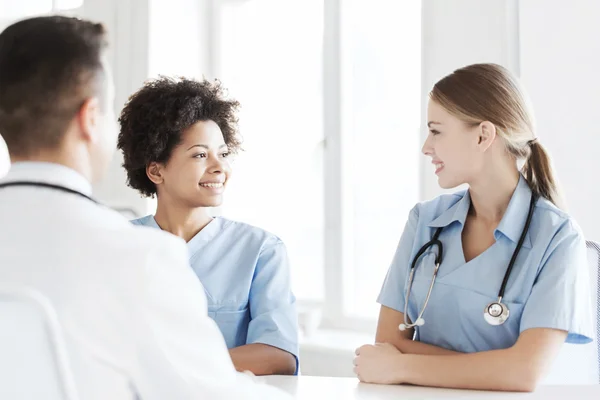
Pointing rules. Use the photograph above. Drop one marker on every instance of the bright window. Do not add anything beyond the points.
(383, 39)
(269, 57)
(330, 92)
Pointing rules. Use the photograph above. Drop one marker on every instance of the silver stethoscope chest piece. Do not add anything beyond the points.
(496, 313)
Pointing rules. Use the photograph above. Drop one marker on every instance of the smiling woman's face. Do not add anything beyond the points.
(452, 146)
(196, 174)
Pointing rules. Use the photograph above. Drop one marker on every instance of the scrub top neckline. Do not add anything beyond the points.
(204, 236)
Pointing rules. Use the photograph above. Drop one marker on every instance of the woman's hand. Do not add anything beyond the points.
(379, 363)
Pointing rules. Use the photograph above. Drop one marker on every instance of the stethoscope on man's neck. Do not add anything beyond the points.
(47, 186)
(495, 313)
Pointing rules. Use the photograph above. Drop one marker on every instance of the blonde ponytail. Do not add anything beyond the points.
(539, 174)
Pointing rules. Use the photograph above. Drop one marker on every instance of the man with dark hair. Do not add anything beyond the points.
(55, 88)
(133, 313)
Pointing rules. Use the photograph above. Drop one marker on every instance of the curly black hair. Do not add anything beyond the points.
(155, 117)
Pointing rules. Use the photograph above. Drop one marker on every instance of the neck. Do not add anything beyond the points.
(62, 157)
(491, 195)
(181, 221)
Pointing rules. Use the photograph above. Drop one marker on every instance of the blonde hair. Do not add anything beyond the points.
(488, 92)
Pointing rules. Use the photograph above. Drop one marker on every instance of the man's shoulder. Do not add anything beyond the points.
(127, 240)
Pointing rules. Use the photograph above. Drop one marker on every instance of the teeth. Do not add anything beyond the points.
(212, 185)
(438, 166)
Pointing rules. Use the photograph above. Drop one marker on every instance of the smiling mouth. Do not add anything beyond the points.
(438, 167)
(212, 185)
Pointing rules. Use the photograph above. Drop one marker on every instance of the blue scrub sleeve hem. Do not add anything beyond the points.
(576, 338)
(573, 337)
(283, 345)
(381, 299)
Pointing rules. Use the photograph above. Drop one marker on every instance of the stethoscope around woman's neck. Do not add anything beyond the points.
(495, 313)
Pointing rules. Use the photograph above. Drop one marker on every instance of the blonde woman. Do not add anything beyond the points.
(487, 283)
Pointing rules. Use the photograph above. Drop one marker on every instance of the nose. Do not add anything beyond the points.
(427, 148)
(218, 165)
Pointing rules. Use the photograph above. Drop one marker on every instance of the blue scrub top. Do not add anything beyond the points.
(246, 277)
(548, 286)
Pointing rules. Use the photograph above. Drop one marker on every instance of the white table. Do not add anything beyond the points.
(316, 388)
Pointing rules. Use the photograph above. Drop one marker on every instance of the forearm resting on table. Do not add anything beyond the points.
(262, 359)
(490, 370)
(408, 346)
(518, 368)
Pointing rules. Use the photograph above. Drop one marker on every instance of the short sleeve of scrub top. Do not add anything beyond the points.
(272, 304)
(559, 297)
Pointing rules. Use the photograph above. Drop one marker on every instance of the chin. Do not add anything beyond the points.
(446, 184)
(209, 203)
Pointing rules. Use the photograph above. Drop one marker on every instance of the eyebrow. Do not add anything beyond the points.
(205, 146)
(434, 123)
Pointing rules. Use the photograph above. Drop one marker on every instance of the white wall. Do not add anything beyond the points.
(557, 57)
(457, 33)
(176, 48)
(560, 68)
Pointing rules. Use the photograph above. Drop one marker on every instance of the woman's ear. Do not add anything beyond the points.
(154, 172)
(487, 135)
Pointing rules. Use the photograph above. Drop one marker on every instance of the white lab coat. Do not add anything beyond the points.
(134, 314)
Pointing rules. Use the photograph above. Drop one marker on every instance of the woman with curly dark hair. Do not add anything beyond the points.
(176, 137)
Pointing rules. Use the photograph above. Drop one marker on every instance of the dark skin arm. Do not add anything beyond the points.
(262, 359)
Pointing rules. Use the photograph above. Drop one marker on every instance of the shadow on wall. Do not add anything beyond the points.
(4, 158)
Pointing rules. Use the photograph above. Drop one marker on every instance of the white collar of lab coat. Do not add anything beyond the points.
(46, 172)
